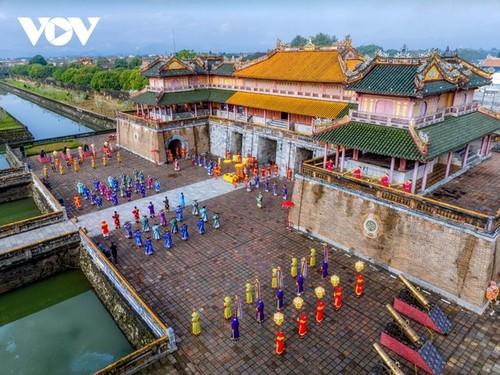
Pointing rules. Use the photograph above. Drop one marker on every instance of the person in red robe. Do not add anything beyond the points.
(302, 323)
(407, 186)
(104, 229)
(116, 218)
(337, 298)
(269, 170)
(263, 172)
(320, 308)
(135, 212)
(359, 285)
(280, 343)
(385, 180)
(357, 172)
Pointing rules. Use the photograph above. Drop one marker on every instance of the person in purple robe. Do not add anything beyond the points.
(324, 269)
(300, 284)
(279, 299)
(235, 324)
(259, 312)
(151, 208)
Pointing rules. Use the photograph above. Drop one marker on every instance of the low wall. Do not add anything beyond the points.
(131, 314)
(457, 263)
(13, 159)
(25, 265)
(91, 119)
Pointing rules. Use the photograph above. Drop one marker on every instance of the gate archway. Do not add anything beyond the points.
(176, 148)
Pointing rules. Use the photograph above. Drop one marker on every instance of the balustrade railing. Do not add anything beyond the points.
(457, 215)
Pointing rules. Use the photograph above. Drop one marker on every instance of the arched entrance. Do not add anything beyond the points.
(176, 148)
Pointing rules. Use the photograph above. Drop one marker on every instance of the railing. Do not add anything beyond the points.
(396, 121)
(55, 139)
(460, 110)
(431, 207)
(139, 359)
(123, 287)
(176, 89)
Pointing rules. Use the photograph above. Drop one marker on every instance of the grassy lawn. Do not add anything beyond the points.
(7, 122)
(49, 147)
(97, 103)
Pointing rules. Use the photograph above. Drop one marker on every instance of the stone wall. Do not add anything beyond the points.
(23, 266)
(141, 140)
(15, 187)
(91, 119)
(456, 262)
(130, 323)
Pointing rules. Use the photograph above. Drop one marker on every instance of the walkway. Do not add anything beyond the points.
(92, 222)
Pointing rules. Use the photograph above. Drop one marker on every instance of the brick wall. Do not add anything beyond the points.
(454, 260)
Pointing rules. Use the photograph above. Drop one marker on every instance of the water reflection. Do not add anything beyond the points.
(41, 122)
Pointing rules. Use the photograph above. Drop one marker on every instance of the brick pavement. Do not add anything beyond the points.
(199, 272)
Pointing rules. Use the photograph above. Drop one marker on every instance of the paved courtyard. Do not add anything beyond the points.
(198, 273)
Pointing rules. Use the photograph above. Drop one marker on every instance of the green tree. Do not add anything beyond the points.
(137, 81)
(322, 39)
(106, 80)
(39, 72)
(19, 70)
(67, 76)
(134, 62)
(38, 59)
(185, 54)
(120, 63)
(298, 41)
(369, 49)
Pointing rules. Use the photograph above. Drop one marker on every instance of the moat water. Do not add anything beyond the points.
(20, 209)
(57, 326)
(41, 122)
(4, 164)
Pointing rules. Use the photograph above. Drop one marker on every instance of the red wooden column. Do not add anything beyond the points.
(210, 108)
(342, 159)
(391, 171)
(482, 147)
(488, 145)
(337, 147)
(424, 179)
(466, 153)
(402, 164)
(195, 110)
(264, 117)
(415, 175)
(355, 154)
(448, 164)
(325, 155)
(288, 121)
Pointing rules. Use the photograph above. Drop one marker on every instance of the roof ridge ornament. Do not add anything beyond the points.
(309, 45)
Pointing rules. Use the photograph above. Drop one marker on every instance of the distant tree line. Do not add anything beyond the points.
(121, 75)
(320, 39)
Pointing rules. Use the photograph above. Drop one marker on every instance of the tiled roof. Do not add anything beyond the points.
(301, 66)
(388, 79)
(476, 80)
(454, 132)
(181, 97)
(435, 87)
(451, 134)
(377, 139)
(308, 107)
(224, 69)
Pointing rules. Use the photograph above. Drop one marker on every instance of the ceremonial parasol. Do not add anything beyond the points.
(155, 151)
(287, 204)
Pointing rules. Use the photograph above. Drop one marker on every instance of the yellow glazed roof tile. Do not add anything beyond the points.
(302, 66)
(308, 107)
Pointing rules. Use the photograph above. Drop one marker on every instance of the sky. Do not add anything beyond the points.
(164, 26)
